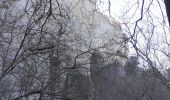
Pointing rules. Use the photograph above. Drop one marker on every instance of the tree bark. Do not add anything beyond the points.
(167, 5)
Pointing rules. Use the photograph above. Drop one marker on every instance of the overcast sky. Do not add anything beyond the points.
(116, 7)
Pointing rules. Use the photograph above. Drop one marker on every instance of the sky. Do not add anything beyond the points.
(116, 7)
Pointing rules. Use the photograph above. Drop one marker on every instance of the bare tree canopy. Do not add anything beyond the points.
(71, 50)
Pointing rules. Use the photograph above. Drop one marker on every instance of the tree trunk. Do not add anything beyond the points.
(167, 5)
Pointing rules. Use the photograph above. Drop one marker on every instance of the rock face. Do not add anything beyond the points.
(94, 32)
(77, 86)
(105, 77)
(105, 36)
(86, 31)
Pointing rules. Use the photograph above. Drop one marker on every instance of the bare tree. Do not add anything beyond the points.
(47, 43)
